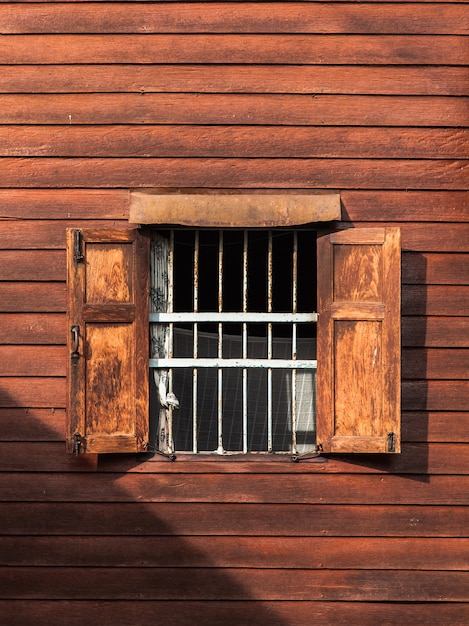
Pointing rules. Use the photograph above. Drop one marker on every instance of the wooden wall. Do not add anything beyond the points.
(368, 99)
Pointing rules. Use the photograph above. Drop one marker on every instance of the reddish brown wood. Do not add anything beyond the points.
(435, 332)
(233, 141)
(234, 552)
(231, 49)
(435, 363)
(253, 487)
(32, 392)
(433, 426)
(145, 79)
(231, 584)
(435, 300)
(290, 110)
(215, 519)
(252, 173)
(30, 297)
(32, 424)
(435, 269)
(279, 613)
(247, 17)
(40, 265)
(32, 328)
(32, 360)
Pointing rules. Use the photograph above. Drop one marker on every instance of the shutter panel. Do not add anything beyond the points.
(358, 377)
(108, 274)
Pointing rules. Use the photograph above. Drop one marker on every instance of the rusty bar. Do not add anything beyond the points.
(196, 342)
(220, 449)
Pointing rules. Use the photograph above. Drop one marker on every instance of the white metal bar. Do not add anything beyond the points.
(294, 339)
(196, 343)
(245, 341)
(269, 343)
(220, 448)
(171, 338)
(286, 364)
(233, 316)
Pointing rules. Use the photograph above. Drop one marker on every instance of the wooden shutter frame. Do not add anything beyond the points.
(381, 433)
(129, 318)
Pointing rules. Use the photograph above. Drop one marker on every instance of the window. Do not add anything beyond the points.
(358, 341)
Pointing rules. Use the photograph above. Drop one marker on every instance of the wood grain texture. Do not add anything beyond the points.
(252, 173)
(233, 141)
(311, 80)
(246, 17)
(224, 519)
(233, 109)
(234, 552)
(234, 49)
(231, 584)
(279, 613)
(313, 488)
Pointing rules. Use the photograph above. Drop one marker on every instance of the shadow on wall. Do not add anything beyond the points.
(84, 544)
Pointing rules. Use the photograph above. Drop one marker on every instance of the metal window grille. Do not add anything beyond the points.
(233, 348)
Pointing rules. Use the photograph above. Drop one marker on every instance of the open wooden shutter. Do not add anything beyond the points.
(358, 378)
(108, 274)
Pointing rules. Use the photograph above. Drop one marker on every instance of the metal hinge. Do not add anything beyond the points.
(77, 443)
(391, 442)
(77, 246)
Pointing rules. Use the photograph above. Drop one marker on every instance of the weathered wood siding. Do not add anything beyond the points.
(369, 99)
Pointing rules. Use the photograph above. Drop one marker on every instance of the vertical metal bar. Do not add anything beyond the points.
(245, 342)
(294, 338)
(171, 336)
(220, 449)
(269, 343)
(196, 342)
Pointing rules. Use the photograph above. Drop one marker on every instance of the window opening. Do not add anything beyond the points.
(233, 340)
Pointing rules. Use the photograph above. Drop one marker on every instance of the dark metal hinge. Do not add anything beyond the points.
(391, 442)
(77, 443)
(77, 246)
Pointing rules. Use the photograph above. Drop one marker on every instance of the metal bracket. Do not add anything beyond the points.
(77, 443)
(391, 442)
(77, 246)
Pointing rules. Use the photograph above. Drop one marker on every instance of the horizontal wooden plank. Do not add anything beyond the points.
(46, 235)
(33, 328)
(32, 392)
(32, 360)
(416, 206)
(435, 300)
(416, 459)
(435, 269)
(435, 426)
(313, 173)
(435, 363)
(233, 109)
(278, 613)
(427, 237)
(32, 265)
(291, 79)
(298, 488)
(64, 204)
(294, 520)
(435, 332)
(233, 141)
(234, 49)
(32, 424)
(231, 584)
(246, 17)
(234, 552)
(29, 297)
(435, 395)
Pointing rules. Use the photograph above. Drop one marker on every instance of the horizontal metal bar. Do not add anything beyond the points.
(225, 316)
(238, 363)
